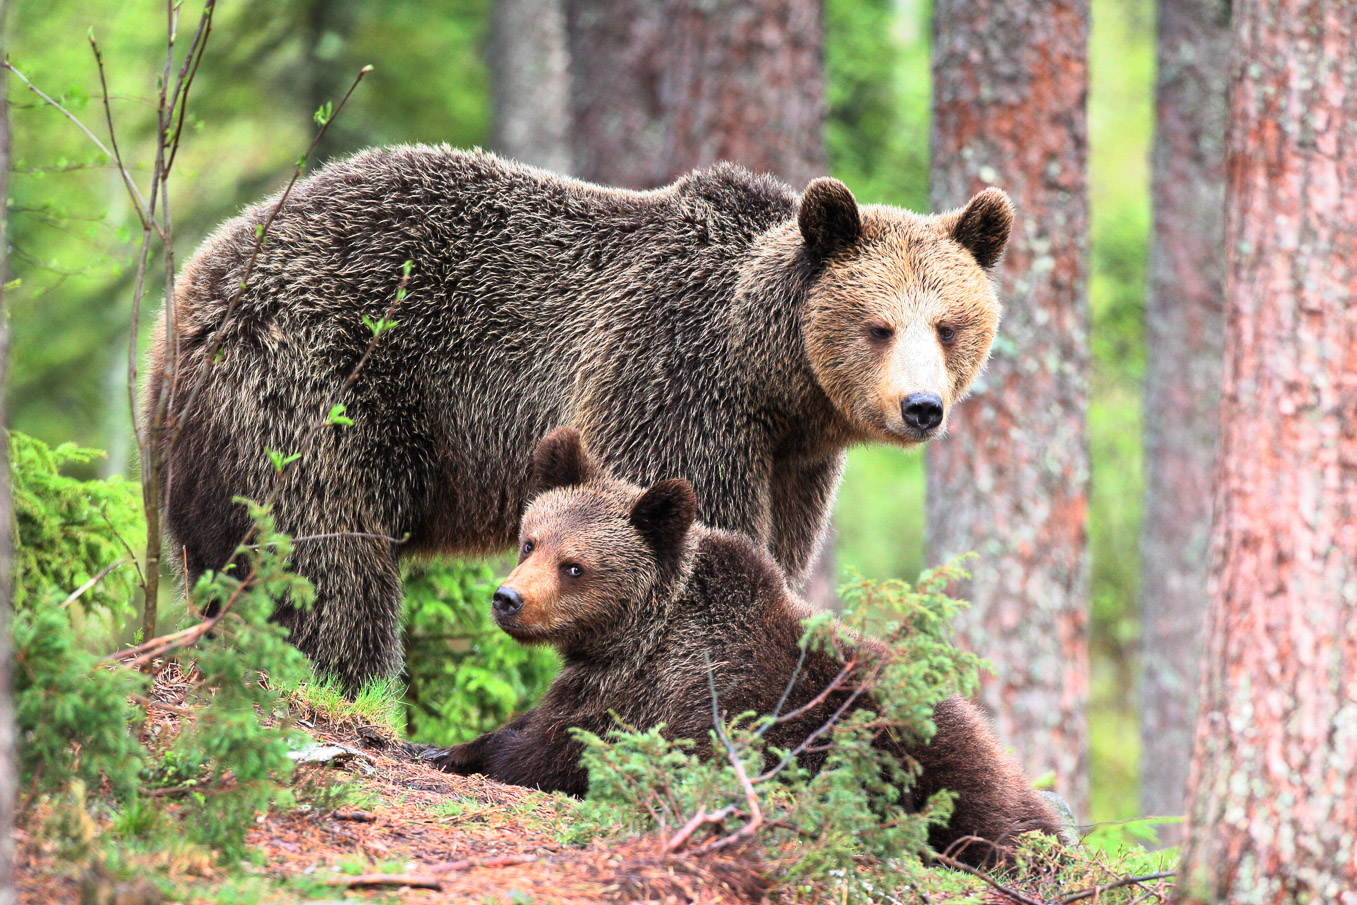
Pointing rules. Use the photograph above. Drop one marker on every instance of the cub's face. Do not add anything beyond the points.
(901, 314)
(591, 550)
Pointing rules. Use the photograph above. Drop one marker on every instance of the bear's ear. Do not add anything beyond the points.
(561, 461)
(982, 226)
(663, 515)
(829, 218)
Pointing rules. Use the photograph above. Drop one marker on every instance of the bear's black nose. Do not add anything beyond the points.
(507, 601)
(922, 411)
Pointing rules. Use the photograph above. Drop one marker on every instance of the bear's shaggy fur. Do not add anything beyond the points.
(722, 329)
(633, 593)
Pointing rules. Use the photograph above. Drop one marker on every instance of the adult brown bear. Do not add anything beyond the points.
(649, 611)
(723, 329)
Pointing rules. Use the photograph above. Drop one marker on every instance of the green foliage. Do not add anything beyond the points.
(68, 530)
(76, 720)
(243, 764)
(73, 714)
(820, 827)
(877, 85)
(465, 676)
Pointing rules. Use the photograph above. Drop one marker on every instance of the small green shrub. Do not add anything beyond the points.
(464, 675)
(74, 718)
(76, 714)
(68, 530)
(820, 827)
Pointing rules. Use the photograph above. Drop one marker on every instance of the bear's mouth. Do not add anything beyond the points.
(519, 632)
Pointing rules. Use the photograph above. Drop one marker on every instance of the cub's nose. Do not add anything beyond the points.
(507, 601)
(922, 411)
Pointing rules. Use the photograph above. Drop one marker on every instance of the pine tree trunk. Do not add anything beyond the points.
(1184, 338)
(661, 88)
(529, 63)
(1010, 482)
(1273, 790)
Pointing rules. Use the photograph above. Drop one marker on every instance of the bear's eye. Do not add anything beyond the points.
(527, 547)
(573, 570)
(879, 332)
(946, 333)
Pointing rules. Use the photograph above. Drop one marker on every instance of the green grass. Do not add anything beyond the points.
(378, 703)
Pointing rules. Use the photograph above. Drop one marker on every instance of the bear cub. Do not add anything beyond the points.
(632, 592)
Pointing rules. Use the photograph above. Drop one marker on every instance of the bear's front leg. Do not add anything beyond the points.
(464, 759)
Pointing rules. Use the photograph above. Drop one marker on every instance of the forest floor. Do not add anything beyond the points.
(405, 833)
(377, 825)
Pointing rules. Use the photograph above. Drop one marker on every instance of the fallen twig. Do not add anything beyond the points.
(355, 816)
(416, 881)
(447, 867)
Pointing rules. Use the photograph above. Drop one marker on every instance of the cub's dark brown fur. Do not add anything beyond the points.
(723, 329)
(633, 593)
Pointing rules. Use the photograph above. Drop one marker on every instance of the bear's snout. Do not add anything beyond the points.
(506, 602)
(922, 411)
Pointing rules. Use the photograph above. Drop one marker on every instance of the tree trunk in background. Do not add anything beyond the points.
(1184, 338)
(9, 769)
(1010, 482)
(325, 73)
(529, 66)
(1272, 814)
(660, 88)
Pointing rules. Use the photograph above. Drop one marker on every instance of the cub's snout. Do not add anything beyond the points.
(506, 602)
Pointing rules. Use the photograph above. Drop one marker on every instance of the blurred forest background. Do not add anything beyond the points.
(271, 64)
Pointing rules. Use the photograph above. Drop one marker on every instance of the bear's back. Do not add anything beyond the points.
(736, 615)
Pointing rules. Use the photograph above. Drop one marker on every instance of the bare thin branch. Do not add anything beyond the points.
(1107, 887)
(99, 576)
(966, 868)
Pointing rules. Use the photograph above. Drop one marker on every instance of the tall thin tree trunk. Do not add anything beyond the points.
(660, 88)
(9, 768)
(1272, 815)
(529, 62)
(1010, 79)
(1184, 328)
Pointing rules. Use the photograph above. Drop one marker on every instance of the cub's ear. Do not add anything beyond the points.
(561, 461)
(829, 218)
(663, 515)
(982, 226)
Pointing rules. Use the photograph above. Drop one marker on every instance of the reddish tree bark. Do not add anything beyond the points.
(1184, 338)
(660, 88)
(1273, 789)
(1010, 80)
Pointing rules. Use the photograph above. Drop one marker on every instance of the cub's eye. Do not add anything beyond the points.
(945, 333)
(572, 570)
(880, 332)
(527, 547)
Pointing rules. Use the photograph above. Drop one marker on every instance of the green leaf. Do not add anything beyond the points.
(337, 416)
(281, 460)
(378, 326)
